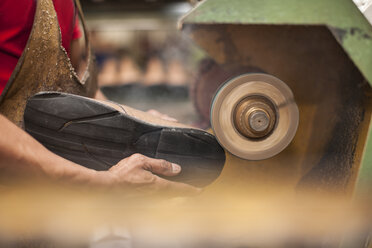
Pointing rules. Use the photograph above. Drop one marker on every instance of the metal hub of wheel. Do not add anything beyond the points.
(254, 116)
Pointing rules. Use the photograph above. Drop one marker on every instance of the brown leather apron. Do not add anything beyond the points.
(45, 66)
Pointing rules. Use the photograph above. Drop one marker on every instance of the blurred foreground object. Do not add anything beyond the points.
(51, 216)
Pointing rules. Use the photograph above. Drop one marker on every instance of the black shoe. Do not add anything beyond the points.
(98, 135)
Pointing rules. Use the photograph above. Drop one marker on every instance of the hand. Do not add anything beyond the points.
(136, 172)
(161, 116)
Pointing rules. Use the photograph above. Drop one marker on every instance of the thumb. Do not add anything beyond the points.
(161, 167)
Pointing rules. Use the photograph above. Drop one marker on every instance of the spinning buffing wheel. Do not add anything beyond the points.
(254, 116)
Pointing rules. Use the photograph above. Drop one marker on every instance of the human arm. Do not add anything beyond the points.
(21, 157)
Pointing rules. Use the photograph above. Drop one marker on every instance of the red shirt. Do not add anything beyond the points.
(16, 20)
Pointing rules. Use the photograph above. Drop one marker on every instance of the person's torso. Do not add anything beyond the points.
(44, 64)
(16, 21)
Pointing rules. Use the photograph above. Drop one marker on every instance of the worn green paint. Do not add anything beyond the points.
(364, 181)
(342, 17)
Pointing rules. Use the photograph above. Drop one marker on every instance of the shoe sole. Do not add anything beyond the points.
(98, 136)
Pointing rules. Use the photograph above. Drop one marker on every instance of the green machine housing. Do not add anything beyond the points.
(322, 49)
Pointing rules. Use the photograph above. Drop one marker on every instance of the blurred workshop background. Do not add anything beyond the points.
(143, 60)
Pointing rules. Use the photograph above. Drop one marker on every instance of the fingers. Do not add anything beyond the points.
(137, 171)
(168, 118)
(161, 116)
(157, 166)
(154, 113)
(161, 167)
